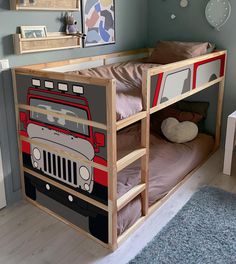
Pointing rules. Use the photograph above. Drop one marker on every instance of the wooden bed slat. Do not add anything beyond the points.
(112, 159)
(64, 153)
(131, 230)
(130, 120)
(130, 195)
(59, 115)
(66, 189)
(130, 158)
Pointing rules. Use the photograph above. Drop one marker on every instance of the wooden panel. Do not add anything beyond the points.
(130, 120)
(145, 137)
(48, 5)
(112, 159)
(130, 158)
(130, 195)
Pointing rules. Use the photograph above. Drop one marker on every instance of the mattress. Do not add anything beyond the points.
(169, 164)
(128, 76)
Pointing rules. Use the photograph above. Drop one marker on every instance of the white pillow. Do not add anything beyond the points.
(179, 132)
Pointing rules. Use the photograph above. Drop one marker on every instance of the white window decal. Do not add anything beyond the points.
(63, 87)
(78, 89)
(48, 85)
(35, 82)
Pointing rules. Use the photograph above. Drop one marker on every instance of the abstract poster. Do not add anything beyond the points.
(98, 22)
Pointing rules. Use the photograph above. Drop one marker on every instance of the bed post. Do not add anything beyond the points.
(19, 142)
(112, 168)
(145, 135)
(219, 108)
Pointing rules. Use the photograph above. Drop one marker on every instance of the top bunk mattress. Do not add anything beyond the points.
(128, 76)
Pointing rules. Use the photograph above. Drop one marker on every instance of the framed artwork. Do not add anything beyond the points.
(98, 22)
(33, 31)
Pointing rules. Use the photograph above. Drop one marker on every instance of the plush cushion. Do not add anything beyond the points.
(179, 132)
(196, 107)
(172, 51)
(158, 117)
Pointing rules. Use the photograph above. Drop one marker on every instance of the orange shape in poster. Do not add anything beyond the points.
(91, 22)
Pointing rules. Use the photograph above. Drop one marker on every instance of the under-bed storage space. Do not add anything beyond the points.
(68, 124)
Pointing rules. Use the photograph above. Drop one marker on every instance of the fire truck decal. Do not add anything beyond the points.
(168, 85)
(77, 100)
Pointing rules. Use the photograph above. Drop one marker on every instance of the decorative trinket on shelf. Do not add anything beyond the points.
(71, 26)
(218, 12)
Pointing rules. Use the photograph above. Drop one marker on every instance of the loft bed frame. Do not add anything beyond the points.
(194, 75)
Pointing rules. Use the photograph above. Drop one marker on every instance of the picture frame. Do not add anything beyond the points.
(33, 31)
(98, 22)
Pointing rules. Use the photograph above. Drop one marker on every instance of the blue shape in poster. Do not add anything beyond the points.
(98, 7)
(104, 34)
(93, 36)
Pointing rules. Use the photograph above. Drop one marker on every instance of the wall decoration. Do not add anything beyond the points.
(33, 31)
(173, 16)
(218, 12)
(184, 3)
(98, 22)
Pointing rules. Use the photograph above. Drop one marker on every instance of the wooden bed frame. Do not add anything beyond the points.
(49, 80)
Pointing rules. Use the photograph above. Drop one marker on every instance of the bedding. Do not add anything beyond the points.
(128, 77)
(179, 132)
(169, 163)
(172, 51)
(171, 111)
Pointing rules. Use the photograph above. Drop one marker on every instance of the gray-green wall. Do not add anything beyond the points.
(131, 33)
(191, 25)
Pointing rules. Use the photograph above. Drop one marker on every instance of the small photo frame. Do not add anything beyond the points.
(33, 31)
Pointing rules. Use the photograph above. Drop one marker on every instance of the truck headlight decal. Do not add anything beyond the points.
(37, 153)
(84, 173)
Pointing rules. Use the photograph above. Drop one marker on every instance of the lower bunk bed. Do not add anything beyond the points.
(169, 163)
(87, 153)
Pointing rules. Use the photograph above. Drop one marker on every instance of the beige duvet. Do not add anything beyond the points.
(128, 76)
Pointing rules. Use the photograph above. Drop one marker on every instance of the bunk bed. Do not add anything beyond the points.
(79, 147)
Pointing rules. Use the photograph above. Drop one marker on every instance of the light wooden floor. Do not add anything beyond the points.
(30, 236)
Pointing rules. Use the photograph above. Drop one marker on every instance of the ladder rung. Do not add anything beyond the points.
(130, 120)
(130, 158)
(130, 195)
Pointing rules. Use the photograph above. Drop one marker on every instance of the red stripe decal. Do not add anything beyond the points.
(158, 88)
(197, 64)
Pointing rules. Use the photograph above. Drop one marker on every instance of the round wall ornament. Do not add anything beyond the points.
(218, 12)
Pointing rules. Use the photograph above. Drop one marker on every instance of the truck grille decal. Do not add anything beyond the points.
(60, 168)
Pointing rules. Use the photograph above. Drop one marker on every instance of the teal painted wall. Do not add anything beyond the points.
(131, 33)
(190, 25)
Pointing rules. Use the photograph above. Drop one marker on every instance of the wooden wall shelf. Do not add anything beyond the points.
(54, 41)
(52, 5)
